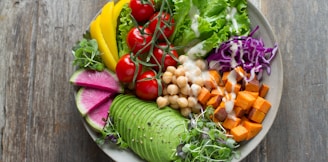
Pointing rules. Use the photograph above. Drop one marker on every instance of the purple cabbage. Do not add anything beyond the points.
(245, 51)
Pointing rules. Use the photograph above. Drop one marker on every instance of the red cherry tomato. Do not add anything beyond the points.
(138, 38)
(147, 86)
(168, 52)
(166, 24)
(126, 68)
(142, 10)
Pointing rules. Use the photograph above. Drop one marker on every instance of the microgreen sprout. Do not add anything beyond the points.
(206, 140)
(87, 55)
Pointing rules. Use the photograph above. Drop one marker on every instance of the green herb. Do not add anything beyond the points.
(109, 134)
(87, 55)
(206, 141)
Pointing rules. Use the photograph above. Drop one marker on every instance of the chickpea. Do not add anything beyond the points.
(171, 69)
(185, 112)
(192, 101)
(183, 59)
(185, 90)
(167, 77)
(201, 64)
(162, 101)
(195, 89)
(199, 80)
(182, 102)
(173, 99)
(174, 79)
(196, 108)
(165, 91)
(172, 89)
(174, 106)
(182, 81)
(180, 71)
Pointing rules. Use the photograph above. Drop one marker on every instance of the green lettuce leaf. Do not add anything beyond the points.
(125, 24)
(207, 23)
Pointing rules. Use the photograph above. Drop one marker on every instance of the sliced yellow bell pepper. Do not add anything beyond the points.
(106, 55)
(117, 10)
(107, 28)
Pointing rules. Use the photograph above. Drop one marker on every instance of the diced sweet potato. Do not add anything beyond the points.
(243, 119)
(239, 133)
(204, 96)
(245, 100)
(215, 76)
(218, 91)
(230, 87)
(240, 73)
(253, 85)
(264, 90)
(256, 115)
(230, 123)
(255, 94)
(225, 77)
(253, 129)
(220, 114)
(239, 112)
(214, 101)
(262, 104)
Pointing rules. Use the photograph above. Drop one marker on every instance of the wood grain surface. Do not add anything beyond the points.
(38, 118)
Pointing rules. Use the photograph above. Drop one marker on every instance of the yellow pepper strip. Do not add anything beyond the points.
(106, 55)
(107, 28)
(117, 10)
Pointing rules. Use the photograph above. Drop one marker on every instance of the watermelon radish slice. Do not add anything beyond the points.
(104, 80)
(88, 99)
(97, 117)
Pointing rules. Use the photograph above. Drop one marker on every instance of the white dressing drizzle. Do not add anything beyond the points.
(197, 49)
(231, 17)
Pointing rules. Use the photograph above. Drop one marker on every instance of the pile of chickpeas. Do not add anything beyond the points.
(182, 85)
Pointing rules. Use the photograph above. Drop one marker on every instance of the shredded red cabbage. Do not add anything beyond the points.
(244, 51)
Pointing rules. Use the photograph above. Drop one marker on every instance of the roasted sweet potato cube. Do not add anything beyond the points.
(256, 115)
(240, 73)
(253, 85)
(215, 76)
(239, 112)
(230, 87)
(255, 94)
(264, 90)
(204, 96)
(220, 114)
(230, 123)
(262, 104)
(253, 128)
(225, 77)
(243, 119)
(214, 101)
(239, 133)
(245, 100)
(218, 91)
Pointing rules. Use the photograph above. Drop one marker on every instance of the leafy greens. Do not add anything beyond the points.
(202, 25)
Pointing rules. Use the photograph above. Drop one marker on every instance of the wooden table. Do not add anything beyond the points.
(38, 118)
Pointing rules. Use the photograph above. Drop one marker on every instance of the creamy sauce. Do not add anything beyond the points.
(197, 49)
(231, 17)
(194, 14)
(229, 102)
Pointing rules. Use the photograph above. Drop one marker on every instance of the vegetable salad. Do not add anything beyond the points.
(195, 58)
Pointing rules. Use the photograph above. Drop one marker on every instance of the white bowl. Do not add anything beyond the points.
(275, 81)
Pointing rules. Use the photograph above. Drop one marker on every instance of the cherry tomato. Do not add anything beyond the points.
(138, 38)
(147, 86)
(125, 69)
(166, 24)
(163, 49)
(142, 10)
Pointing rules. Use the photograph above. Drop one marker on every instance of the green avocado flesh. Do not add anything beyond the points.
(150, 132)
